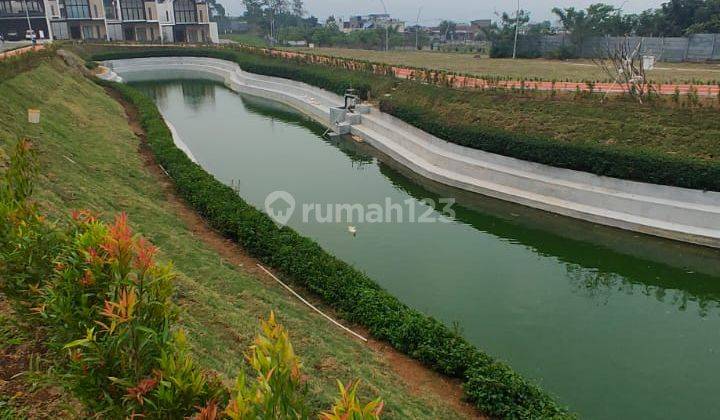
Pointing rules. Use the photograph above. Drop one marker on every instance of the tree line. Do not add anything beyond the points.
(287, 20)
(672, 19)
(280, 20)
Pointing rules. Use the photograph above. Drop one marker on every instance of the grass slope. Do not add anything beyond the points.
(89, 159)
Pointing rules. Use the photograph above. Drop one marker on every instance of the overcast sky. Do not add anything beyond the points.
(435, 10)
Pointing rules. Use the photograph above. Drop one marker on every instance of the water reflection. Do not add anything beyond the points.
(600, 261)
(270, 109)
(195, 93)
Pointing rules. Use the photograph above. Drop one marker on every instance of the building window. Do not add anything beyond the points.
(6, 7)
(87, 32)
(77, 9)
(15, 7)
(52, 10)
(149, 13)
(132, 10)
(152, 33)
(167, 16)
(110, 9)
(95, 10)
(201, 15)
(185, 11)
(35, 6)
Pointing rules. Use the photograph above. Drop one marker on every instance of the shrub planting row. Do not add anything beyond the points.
(637, 165)
(491, 385)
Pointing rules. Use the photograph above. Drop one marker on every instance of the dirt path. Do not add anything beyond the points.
(419, 379)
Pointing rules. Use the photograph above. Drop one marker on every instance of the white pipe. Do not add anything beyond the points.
(311, 305)
(517, 29)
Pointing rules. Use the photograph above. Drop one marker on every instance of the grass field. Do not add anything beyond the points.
(89, 159)
(572, 70)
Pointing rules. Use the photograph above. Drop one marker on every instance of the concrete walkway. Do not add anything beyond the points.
(671, 212)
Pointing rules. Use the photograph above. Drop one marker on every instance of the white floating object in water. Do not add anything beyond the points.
(352, 230)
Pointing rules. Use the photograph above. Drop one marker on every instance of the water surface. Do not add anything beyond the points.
(615, 324)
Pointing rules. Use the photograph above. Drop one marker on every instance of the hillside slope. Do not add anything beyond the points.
(90, 159)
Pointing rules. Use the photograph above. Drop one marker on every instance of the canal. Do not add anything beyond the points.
(614, 324)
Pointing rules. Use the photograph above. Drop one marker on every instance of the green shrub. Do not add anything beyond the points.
(492, 386)
(565, 52)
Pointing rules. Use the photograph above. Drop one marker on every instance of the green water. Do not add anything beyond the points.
(616, 325)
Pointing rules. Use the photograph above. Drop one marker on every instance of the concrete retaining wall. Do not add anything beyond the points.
(670, 212)
(695, 48)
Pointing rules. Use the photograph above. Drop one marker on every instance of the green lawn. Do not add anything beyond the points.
(89, 159)
(571, 70)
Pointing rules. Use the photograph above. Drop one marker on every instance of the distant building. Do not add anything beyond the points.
(463, 32)
(114, 20)
(371, 21)
(480, 24)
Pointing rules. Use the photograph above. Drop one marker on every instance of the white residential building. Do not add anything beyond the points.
(112, 20)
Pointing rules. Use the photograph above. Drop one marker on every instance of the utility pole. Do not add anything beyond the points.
(387, 27)
(517, 29)
(417, 28)
(27, 16)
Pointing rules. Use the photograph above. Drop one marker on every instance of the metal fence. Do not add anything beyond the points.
(699, 47)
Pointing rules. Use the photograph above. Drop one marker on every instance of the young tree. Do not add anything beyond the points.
(298, 8)
(651, 23)
(502, 34)
(448, 28)
(624, 64)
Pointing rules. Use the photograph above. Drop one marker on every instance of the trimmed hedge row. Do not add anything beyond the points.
(491, 385)
(634, 165)
(655, 168)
